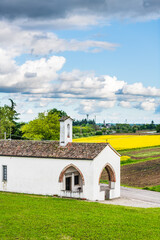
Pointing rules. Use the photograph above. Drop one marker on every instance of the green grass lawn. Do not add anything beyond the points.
(35, 217)
(137, 151)
(132, 161)
(152, 153)
(154, 188)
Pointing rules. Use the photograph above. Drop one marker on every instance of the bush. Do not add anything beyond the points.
(76, 130)
(93, 133)
(158, 128)
(85, 134)
(99, 133)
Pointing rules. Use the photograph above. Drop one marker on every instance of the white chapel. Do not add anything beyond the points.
(63, 168)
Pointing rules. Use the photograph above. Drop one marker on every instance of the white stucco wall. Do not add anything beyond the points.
(41, 175)
(107, 156)
(64, 138)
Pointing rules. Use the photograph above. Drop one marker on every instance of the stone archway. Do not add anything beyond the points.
(71, 182)
(66, 168)
(110, 171)
(110, 186)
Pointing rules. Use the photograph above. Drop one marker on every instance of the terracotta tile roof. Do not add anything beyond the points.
(63, 118)
(51, 149)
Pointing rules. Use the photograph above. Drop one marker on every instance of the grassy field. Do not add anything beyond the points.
(120, 142)
(139, 155)
(154, 188)
(37, 217)
(141, 168)
(41, 217)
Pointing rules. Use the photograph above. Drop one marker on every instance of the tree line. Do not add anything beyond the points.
(46, 125)
(8, 121)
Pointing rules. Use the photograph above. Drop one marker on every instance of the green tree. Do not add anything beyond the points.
(8, 117)
(16, 130)
(45, 127)
(104, 130)
(158, 128)
(60, 113)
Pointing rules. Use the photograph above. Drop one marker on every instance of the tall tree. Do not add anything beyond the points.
(8, 117)
(60, 113)
(45, 127)
(158, 128)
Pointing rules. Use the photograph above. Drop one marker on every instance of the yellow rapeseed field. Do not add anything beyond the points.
(124, 141)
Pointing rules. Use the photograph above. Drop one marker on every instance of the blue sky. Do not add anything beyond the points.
(100, 58)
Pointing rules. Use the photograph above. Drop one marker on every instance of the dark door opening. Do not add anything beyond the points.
(68, 183)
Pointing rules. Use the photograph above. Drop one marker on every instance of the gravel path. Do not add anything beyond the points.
(136, 198)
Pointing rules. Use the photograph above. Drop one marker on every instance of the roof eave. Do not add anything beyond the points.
(24, 156)
(114, 150)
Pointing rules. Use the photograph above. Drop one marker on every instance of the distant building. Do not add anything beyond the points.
(108, 125)
(59, 168)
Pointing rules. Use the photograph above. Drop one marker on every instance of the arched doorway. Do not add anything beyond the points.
(107, 180)
(72, 181)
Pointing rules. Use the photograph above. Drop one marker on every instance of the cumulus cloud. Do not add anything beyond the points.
(7, 65)
(16, 41)
(139, 89)
(61, 9)
(93, 106)
(32, 76)
(23, 30)
(125, 104)
(40, 81)
(147, 105)
(73, 21)
(87, 85)
(41, 77)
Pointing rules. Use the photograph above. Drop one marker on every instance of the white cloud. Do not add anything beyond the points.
(93, 106)
(29, 111)
(139, 89)
(7, 64)
(125, 104)
(148, 105)
(39, 80)
(73, 21)
(51, 43)
(41, 73)
(16, 41)
(73, 13)
(87, 85)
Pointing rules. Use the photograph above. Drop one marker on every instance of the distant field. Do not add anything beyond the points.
(143, 174)
(41, 217)
(120, 142)
(141, 168)
(139, 155)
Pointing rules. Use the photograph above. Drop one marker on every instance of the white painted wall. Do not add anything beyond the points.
(64, 138)
(106, 156)
(41, 175)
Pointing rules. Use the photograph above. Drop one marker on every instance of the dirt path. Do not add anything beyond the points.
(136, 198)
